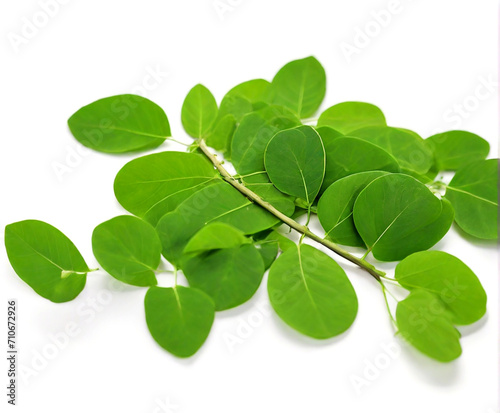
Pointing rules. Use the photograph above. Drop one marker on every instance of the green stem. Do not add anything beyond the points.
(385, 291)
(287, 220)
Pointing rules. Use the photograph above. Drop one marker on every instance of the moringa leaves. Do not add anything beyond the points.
(295, 162)
(199, 112)
(230, 276)
(311, 293)
(152, 185)
(117, 124)
(299, 86)
(45, 259)
(179, 318)
(424, 321)
(347, 117)
(473, 192)
(129, 249)
(448, 278)
(455, 149)
(396, 216)
(216, 235)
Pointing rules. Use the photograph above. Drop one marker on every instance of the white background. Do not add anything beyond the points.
(430, 57)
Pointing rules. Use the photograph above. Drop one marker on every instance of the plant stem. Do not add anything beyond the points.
(303, 229)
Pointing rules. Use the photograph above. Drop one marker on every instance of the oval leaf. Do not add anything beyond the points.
(214, 236)
(229, 276)
(347, 117)
(118, 124)
(473, 192)
(300, 86)
(199, 111)
(179, 318)
(46, 260)
(448, 278)
(295, 162)
(152, 185)
(128, 249)
(311, 293)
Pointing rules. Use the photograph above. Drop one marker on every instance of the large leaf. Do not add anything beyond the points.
(347, 117)
(152, 185)
(449, 278)
(346, 156)
(406, 146)
(118, 124)
(216, 235)
(335, 208)
(262, 186)
(199, 111)
(455, 149)
(179, 318)
(230, 276)
(254, 133)
(295, 162)
(473, 192)
(46, 260)
(216, 203)
(300, 86)
(311, 293)
(396, 215)
(129, 249)
(424, 322)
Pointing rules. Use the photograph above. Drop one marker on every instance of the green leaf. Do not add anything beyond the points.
(243, 98)
(45, 259)
(347, 117)
(448, 278)
(455, 149)
(346, 156)
(335, 208)
(268, 251)
(299, 86)
(473, 192)
(129, 249)
(216, 235)
(396, 215)
(425, 323)
(262, 186)
(199, 112)
(229, 276)
(254, 133)
(152, 185)
(311, 293)
(179, 318)
(221, 134)
(219, 202)
(295, 162)
(117, 124)
(406, 146)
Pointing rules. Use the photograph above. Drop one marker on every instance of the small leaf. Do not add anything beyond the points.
(335, 208)
(219, 202)
(244, 98)
(448, 278)
(199, 111)
(347, 117)
(229, 276)
(300, 86)
(179, 319)
(117, 124)
(268, 251)
(295, 162)
(405, 146)
(129, 249)
(396, 215)
(254, 133)
(346, 156)
(221, 134)
(152, 185)
(216, 235)
(473, 192)
(311, 293)
(46, 260)
(455, 149)
(426, 324)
